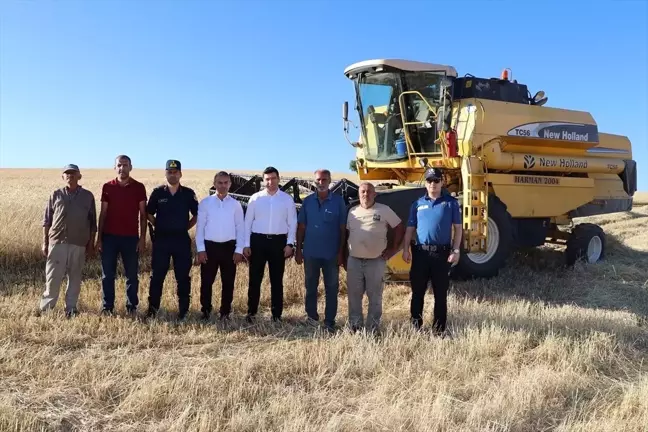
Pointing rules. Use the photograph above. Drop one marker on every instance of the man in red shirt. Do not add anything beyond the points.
(123, 208)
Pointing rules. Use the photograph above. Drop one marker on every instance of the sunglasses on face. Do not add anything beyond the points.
(434, 180)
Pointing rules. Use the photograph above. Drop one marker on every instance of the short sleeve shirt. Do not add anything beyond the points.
(433, 219)
(323, 220)
(122, 216)
(368, 230)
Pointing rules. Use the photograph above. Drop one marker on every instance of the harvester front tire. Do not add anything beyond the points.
(500, 233)
(587, 243)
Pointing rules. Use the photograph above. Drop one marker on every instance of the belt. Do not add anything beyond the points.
(433, 248)
(270, 236)
(227, 242)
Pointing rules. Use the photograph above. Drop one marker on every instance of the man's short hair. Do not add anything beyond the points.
(324, 171)
(222, 174)
(123, 156)
(270, 170)
(366, 183)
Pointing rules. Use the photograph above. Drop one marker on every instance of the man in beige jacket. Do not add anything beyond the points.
(69, 229)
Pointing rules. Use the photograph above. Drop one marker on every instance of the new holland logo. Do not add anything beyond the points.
(529, 161)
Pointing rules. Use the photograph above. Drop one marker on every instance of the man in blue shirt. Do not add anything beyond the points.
(434, 233)
(321, 225)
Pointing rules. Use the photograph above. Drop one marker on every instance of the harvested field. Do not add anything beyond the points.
(538, 348)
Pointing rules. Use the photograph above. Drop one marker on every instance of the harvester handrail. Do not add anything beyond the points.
(402, 113)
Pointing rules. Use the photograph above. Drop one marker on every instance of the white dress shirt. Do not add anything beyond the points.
(271, 214)
(220, 221)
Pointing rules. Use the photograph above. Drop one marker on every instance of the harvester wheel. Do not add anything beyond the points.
(586, 242)
(500, 241)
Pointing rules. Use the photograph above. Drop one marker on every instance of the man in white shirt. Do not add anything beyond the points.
(270, 229)
(220, 237)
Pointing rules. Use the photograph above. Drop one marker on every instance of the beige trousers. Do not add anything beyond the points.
(365, 276)
(63, 259)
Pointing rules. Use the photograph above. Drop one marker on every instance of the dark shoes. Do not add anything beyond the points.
(71, 313)
(107, 312)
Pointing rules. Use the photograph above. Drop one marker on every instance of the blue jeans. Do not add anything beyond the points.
(330, 271)
(112, 247)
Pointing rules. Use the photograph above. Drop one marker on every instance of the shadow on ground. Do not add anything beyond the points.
(618, 283)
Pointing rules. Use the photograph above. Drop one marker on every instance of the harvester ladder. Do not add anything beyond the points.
(475, 204)
(475, 186)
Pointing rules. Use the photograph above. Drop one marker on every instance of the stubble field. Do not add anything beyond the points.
(538, 348)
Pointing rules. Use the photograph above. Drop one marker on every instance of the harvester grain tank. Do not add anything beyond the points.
(521, 170)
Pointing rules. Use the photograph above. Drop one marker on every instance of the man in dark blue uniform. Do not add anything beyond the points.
(434, 234)
(168, 211)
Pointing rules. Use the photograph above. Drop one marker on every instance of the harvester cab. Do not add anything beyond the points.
(522, 171)
(404, 110)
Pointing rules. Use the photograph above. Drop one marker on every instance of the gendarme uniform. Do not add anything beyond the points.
(172, 240)
(432, 245)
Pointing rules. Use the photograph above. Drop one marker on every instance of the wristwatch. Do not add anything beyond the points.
(291, 245)
(455, 251)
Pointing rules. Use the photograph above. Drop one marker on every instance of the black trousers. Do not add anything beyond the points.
(426, 267)
(220, 256)
(267, 249)
(165, 247)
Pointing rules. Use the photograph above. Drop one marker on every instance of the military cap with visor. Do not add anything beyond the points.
(173, 164)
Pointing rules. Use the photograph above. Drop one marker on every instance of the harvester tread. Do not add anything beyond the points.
(466, 268)
(579, 239)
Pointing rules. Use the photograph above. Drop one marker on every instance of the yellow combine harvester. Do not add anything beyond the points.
(521, 170)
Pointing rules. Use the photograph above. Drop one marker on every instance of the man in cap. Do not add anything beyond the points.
(434, 233)
(123, 205)
(69, 229)
(168, 211)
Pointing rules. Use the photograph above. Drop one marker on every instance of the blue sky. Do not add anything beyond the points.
(219, 84)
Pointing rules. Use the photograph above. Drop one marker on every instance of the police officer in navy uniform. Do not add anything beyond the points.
(434, 234)
(168, 211)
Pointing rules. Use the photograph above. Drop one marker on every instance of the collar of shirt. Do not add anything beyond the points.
(67, 191)
(264, 192)
(427, 197)
(216, 198)
(328, 197)
(131, 181)
(179, 192)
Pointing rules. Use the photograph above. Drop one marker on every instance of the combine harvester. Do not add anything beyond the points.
(521, 171)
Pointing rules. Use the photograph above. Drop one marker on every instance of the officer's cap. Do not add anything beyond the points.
(433, 173)
(173, 164)
(71, 168)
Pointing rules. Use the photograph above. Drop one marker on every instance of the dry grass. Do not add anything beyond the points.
(539, 348)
